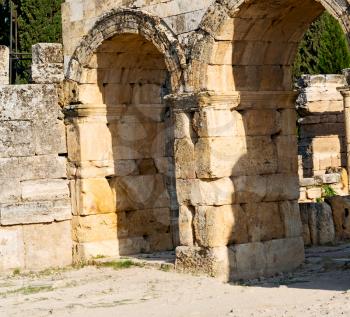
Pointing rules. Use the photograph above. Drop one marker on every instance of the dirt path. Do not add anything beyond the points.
(320, 288)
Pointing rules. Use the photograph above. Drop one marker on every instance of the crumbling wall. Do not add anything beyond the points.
(327, 222)
(321, 132)
(35, 208)
(183, 17)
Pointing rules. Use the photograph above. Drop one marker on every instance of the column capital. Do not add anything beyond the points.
(232, 100)
(345, 91)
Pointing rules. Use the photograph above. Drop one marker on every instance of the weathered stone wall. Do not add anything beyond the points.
(321, 145)
(182, 16)
(4, 65)
(35, 208)
(120, 152)
(327, 222)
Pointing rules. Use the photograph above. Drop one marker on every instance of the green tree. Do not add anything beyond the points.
(323, 50)
(4, 23)
(38, 21)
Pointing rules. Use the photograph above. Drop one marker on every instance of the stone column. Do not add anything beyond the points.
(345, 91)
(4, 65)
(237, 185)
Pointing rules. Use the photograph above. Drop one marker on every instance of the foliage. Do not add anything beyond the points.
(328, 191)
(38, 21)
(323, 50)
(4, 22)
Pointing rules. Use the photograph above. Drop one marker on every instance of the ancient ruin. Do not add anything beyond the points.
(164, 125)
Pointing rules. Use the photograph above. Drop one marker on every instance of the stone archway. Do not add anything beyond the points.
(239, 216)
(120, 136)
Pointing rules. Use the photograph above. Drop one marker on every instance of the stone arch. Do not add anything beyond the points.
(290, 19)
(124, 21)
(244, 123)
(120, 138)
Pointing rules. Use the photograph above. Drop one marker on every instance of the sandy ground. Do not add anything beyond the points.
(319, 288)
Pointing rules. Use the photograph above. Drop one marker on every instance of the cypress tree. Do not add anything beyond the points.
(323, 50)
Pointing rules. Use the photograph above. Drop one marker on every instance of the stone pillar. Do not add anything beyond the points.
(4, 65)
(345, 91)
(237, 184)
(47, 64)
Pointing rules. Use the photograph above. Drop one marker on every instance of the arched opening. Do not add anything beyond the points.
(242, 60)
(120, 144)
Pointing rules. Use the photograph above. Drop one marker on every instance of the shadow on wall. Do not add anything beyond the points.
(265, 229)
(133, 79)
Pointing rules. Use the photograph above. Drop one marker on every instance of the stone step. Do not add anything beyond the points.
(159, 260)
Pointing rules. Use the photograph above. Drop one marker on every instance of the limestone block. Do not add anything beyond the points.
(47, 245)
(261, 122)
(11, 248)
(304, 216)
(138, 141)
(264, 221)
(95, 169)
(143, 223)
(165, 165)
(220, 78)
(310, 181)
(208, 193)
(314, 192)
(186, 234)
(212, 261)
(125, 167)
(47, 73)
(288, 119)
(140, 192)
(40, 167)
(220, 157)
(220, 226)
(340, 208)
(35, 212)
(46, 189)
(16, 139)
(94, 228)
(314, 130)
(320, 222)
(51, 53)
(209, 122)
(29, 103)
(88, 250)
(284, 255)
(182, 125)
(287, 153)
(247, 260)
(250, 188)
(329, 144)
(133, 245)
(4, 65)
(252, 260)
(50, 138)
(89, 94)
(327, 178)
(146, 166)
(114, 94)
(94, 196)
(10, 190)
(291, 218)
(222, 53)
(282, 187)
(184, 158)
(89, 141)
